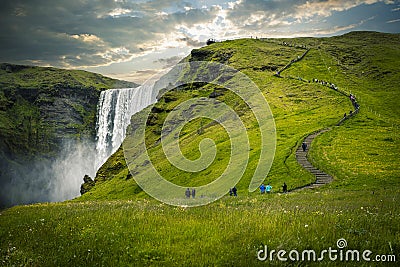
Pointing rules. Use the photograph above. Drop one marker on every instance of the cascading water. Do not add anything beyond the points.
(114, 112)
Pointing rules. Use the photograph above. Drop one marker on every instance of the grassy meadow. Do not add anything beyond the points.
(116, 224)
(228, 232)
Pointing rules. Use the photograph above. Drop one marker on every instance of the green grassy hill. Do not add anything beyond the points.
(115, 223)
(354, 62)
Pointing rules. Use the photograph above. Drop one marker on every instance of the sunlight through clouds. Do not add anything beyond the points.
(97, 35)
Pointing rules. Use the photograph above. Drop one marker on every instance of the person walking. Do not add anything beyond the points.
(187, 193)
(234, 191)
(304, 146)
(268, 189)
(193, 193)
(284, 188)
(262, 188)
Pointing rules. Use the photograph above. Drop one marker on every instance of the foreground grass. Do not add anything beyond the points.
(228, 232)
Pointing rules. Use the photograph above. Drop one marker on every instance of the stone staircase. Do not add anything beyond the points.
(322, 178)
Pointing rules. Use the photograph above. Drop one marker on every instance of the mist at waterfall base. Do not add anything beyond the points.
(60, 178)
(50, 180)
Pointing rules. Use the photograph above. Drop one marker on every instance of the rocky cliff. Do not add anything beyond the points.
(42, 109)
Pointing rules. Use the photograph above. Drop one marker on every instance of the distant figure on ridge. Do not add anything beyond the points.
(230, 192)
(284, 188)
(187, 193)
(262, 188)
(304, 146)
(268, 189)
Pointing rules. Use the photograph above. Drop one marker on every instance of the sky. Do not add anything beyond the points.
(135, 39)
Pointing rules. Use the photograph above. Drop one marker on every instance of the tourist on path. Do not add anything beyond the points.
(193, 193)
(304, 146)
(187, 193)
(262, 188)
(268, 189)
(284, 188)
(234, 191)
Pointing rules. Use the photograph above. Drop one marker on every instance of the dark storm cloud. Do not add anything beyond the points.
(88, 33)
(83, 33)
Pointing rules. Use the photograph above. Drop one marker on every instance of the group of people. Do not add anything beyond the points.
(190, 193)
(354, 101)
(268, 189)
(265, 189)
(233, 191)
(278, 73)
(294, 45)
(331, 85)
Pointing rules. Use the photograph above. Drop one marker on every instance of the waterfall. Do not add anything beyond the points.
(114, 112)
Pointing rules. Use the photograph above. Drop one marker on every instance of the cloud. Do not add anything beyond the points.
(139, 76)
(258, 14)
(92, 33)
(191, 42)
(326, 8)
(79, 34)
(393, 21)
(87, 38)
(170, 61)
(118, 12)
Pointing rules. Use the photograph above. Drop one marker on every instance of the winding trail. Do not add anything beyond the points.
(321, 178)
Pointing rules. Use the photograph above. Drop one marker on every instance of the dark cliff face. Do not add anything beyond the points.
(38, 120)
(36, 124)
